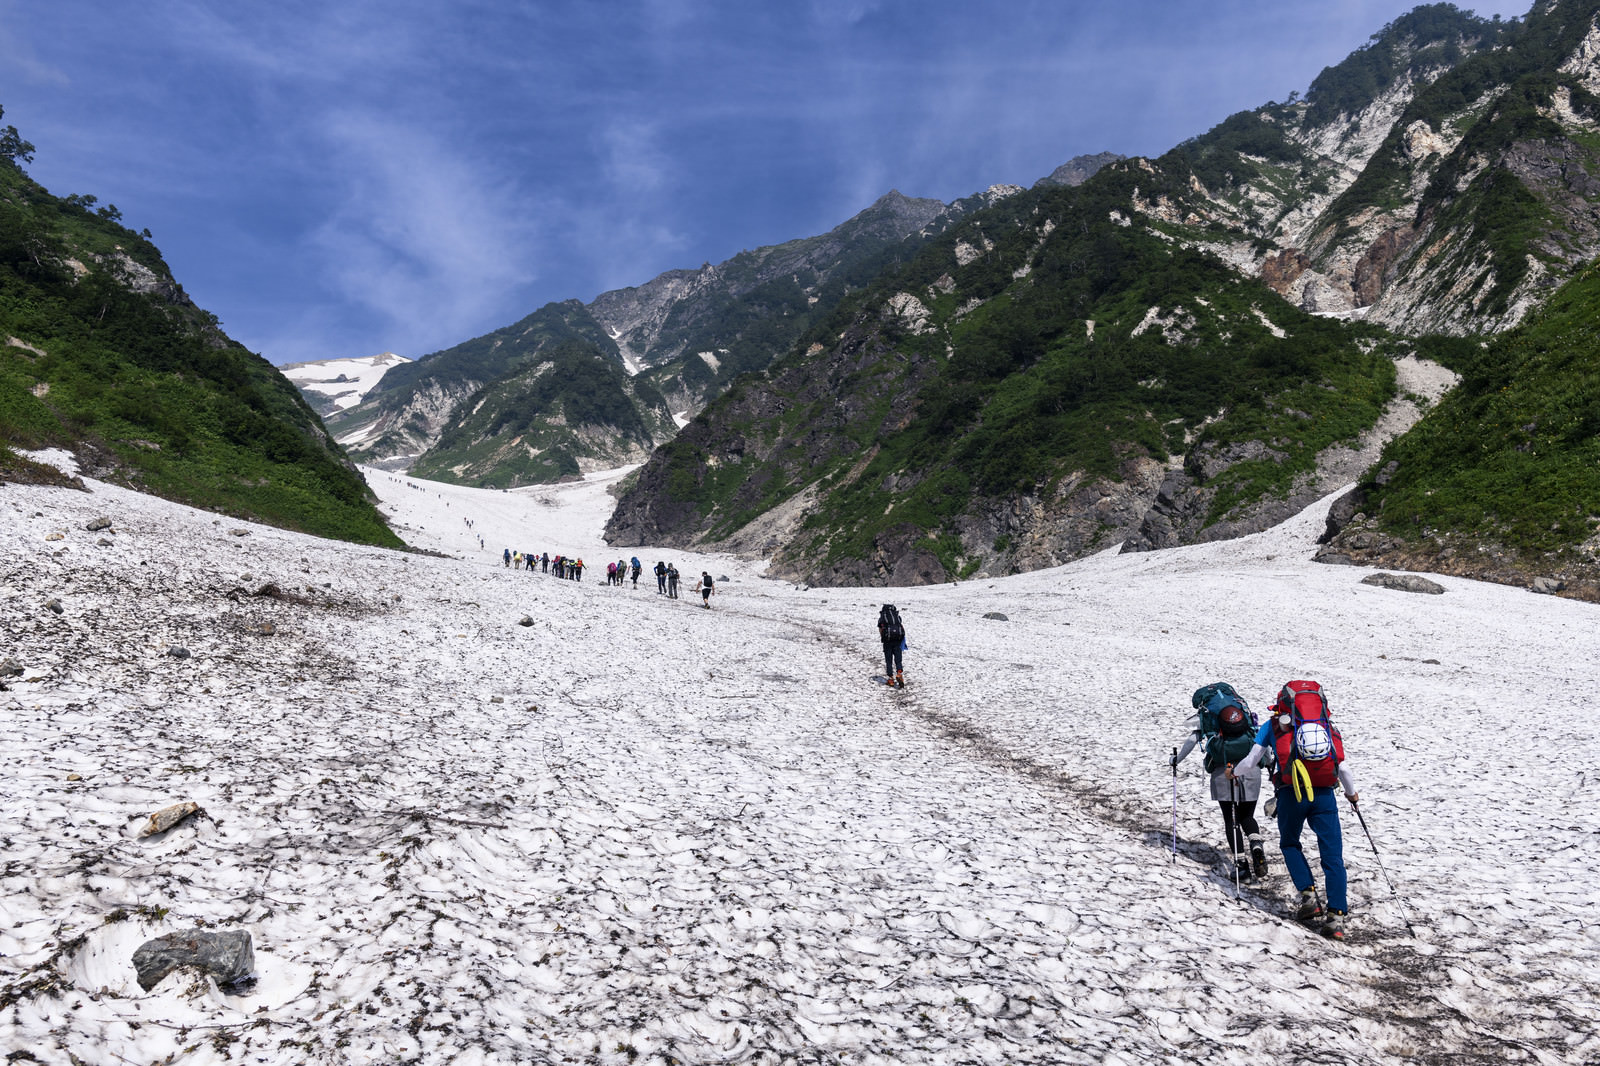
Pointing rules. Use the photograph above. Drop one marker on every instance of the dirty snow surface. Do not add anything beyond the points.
(637, 831)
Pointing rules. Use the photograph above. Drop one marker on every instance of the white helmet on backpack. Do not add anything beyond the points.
(1312, 741)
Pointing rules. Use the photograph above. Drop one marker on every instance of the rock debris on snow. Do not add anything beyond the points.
(654, 852)
(1404, 583)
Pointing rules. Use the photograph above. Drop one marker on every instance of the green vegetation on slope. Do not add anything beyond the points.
(1002, 390)
(148, 379)
(1511, 457)
(523, 429)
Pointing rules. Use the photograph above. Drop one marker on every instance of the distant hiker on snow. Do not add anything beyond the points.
(508, 558)
(892, 633)
(635, 570)
(672, 580)
(1310, 756)
(1225, 731)
(706, 588)
(661, 578)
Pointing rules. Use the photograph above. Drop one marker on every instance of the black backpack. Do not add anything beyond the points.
(890, 627)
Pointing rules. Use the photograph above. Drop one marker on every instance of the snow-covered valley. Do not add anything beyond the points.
(634, 830)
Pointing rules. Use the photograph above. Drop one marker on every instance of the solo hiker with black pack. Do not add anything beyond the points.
(892, 632)
(1310, 757)
(1225, 731)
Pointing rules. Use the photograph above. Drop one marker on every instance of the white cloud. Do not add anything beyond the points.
(428, 239)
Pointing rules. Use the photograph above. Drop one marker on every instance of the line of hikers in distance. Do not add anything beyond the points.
(667, 576)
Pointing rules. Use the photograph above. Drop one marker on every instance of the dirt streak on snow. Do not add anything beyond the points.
(638, 831)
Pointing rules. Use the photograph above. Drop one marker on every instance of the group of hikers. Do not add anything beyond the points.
(1298, 746)
(1302, 751)
(667, 577)
(562, 566)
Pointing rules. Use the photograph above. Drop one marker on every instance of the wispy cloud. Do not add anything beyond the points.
(427, 238)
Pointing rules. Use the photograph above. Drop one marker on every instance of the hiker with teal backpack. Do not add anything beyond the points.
(1224, 731)
(1310, 763)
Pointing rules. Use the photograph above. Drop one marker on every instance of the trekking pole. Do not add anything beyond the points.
(1233, 823)
(1174, 804)
(1398, 901)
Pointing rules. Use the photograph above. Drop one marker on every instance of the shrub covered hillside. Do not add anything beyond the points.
(1016, 395)
(102, 352)
(1502, 479)
(566, 405)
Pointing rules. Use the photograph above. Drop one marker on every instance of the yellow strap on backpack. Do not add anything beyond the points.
(1298, 773)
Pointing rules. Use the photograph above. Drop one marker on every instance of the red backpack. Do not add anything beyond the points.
(1309, 747)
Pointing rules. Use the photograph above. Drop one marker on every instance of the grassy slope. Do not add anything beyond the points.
(150, 381)
(1022, 396)
(1511, 457)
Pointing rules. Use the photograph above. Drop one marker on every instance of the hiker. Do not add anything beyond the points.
(636, 569)
(661, 578)
(1225, 736)
(611, 573)
(1310, 761)
(672, 581)
(892, 632)
(706, 588)
(508, 558)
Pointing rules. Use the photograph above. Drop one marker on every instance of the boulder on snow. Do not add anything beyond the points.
(178, 653)
(997, 616)
(167, 817)
(98, 524)
(229, 956)
(1548, 586)
(9, 667)
(1404, 583)
(54, 605)
(526, 620)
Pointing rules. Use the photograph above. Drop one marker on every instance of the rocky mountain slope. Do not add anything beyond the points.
(1133, 361)
(683, 337)
(103, 353)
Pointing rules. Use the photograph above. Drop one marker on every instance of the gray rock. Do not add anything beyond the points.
(1343, 512)
(1334, 559)
(178, 653)
(239, 532)
(102, 543)
(1547, 585)
(9, 667)
(228, 956)
(1404, 583)
(54, 605)
(527, 620)
(167, 817)
(997, 616)
(98, 524)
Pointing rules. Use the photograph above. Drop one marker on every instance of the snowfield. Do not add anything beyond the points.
(636, 831)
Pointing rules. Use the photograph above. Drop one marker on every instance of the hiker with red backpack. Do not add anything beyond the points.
(1310, 757)
(1225, 732)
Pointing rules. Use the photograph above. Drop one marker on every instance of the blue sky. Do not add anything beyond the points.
(343, 177)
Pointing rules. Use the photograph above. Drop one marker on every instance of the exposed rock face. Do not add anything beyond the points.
(227, 956)
(1079, 169)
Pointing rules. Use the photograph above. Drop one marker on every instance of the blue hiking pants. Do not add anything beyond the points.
(1322, 815)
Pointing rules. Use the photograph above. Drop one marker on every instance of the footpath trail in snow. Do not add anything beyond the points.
(639, 831)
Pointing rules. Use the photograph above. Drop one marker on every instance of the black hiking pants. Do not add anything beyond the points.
(1240, 822)
(892, 658)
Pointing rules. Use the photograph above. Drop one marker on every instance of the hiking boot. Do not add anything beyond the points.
(1258, 860)
(1244, 870)
(1333, 928)
(899, 679)
(1310, 905)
